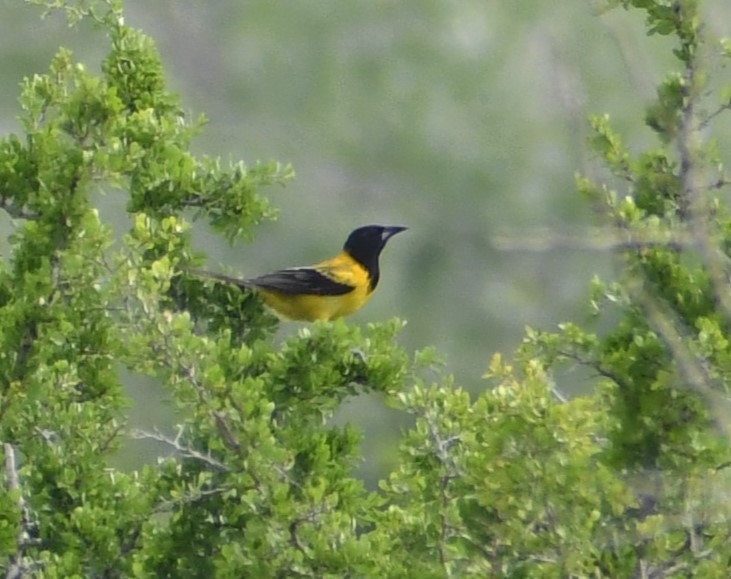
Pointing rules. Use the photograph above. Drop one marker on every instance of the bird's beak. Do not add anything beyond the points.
(389, 232)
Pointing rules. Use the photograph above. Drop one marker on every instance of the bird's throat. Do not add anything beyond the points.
(370, 264)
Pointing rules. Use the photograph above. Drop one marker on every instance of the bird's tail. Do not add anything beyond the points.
(243, 283)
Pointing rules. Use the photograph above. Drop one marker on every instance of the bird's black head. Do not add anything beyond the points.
(366, 243)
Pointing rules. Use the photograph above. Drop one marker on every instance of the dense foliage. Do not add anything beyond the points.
(518, 482)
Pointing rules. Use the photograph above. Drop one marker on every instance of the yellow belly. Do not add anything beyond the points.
(309, 308)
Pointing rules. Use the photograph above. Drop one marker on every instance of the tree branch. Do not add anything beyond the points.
(693, 190)
(595, 239)
(16, 212)
(180, 449)
(665, 324)
(20, 564)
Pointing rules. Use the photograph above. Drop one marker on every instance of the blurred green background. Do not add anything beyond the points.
(464, 121)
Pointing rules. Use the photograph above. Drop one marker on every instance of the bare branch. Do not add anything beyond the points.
(180, 449)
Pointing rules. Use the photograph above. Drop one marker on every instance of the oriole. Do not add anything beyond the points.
(330, 289)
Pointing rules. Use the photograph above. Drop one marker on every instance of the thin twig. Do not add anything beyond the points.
(707, 120)
(594, 365)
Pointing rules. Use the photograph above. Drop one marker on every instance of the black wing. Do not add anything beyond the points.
(300, 280)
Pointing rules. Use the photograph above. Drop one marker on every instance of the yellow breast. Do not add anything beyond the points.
(309, 308)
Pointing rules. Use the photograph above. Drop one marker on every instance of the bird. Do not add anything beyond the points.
(330, 289)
